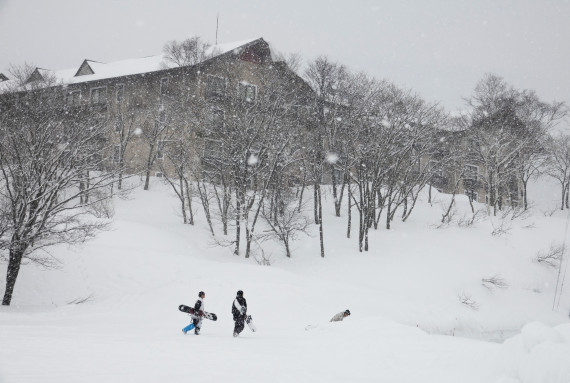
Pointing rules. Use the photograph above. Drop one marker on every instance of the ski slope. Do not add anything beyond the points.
(407, 324)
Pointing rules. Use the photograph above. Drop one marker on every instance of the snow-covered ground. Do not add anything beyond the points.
(407, 322)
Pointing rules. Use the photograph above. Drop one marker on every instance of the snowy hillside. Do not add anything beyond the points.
(408, 323)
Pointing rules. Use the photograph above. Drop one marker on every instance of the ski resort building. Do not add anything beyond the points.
(149, 102)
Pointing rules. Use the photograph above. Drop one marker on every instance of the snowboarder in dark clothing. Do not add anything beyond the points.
(239, 310)
(196, 319)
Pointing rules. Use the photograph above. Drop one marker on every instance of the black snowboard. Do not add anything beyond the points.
(191, 310)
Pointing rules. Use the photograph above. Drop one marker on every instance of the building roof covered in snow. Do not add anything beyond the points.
(91, 70)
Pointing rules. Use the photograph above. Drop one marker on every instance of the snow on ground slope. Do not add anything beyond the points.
(403, 295)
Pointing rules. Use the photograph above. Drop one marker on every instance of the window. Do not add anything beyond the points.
(217, 118)
(120, 92)
(473, 195)
(215, 86)
(338, 176)
(160, 149)
(74, 98)
(247, 92)
(160, 122)
(117, 153)
(163, 85)
(212, 148)
(471, 143)
(119, 123)
(471, 172)
(99, 96)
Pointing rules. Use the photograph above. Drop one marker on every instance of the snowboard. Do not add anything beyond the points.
(249, 322)
(191, 310)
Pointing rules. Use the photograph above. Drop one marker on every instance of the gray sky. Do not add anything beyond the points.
(438, 48)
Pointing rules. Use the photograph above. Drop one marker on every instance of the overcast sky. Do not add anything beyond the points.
(438, 48)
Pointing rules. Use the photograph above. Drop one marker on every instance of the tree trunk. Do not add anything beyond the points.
(316, 204)
(429, 194)
(321, 236)
(238, 213)
(248, 238)
(349, 214)
(567, 194)
(227, 199)
(563, 196)
(205, 205)
(189, 201)
(414, 200)
(524, 195)
(88, 186)
(362, 212)
(82, 188)
(388, 212)
(121, 167)
(302, 190)
(380, 205)
(446, 215)
(13, 269)
(335, 193)
(148, 167)
(183, 201)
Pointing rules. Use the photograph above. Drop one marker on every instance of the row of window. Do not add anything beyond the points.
(98, 95)
(215, 87)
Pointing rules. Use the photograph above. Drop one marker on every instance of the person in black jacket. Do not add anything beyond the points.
(239, 310)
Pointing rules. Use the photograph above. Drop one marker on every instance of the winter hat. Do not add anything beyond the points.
(201, 294)
(240, 293)
(347, 312)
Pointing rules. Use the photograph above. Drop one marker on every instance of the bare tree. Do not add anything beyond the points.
(538, 118)
(286, 225)
(187, 52)
(156, 134)
(558, 165)
(247, 142)
(329, 81)
(129, 118)
(180, 158)
(50, 157)
(507, 131)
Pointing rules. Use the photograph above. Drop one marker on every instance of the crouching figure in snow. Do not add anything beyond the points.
(196, 319)
(340, 316)
(239, 310)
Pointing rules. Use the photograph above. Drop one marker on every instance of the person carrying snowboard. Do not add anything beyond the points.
(340, 316)
(196, 319)
(239, 310)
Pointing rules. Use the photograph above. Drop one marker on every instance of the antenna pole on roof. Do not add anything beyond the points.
(217, 17)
